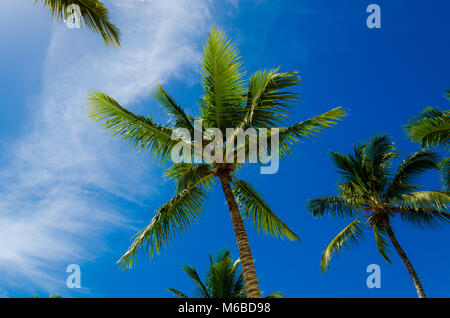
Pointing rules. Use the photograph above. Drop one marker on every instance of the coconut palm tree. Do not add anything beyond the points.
(223, 279)
(369, 191)
(93, 12)
(226, 103)
(431, 128)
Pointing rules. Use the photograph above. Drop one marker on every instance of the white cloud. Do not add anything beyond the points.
(48, 202)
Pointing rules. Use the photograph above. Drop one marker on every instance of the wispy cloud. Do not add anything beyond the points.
(48, 191)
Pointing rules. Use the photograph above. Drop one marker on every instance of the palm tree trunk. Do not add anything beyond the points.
(245, 254)
(405, 260)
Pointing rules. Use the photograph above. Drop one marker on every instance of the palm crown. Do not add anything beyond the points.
(223, 279)
(226, 103)
(370, 191)
(94, 14)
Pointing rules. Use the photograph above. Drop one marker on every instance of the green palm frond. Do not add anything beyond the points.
(223, 279)
(424, 209)
(354, 193)
(94, 14)
(381, 240)
(186, 175)
(333, 206)
(180, 118)
(309, 128)
(349, 167)
(275, 295)
(254, 209)
(222, 82)
(379, 153)
(367, 168)
(444, 166)
(172, 218)
(348, 236)
(141, 132)
(375, 163)
(267, 103)
(202, 290)
(239, 284)
(414, 165)
(430, 128)
(177, 293)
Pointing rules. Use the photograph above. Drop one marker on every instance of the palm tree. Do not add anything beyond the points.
(226, 103)
(223, 279)
(369, 191)
(94, 14)
(432, 128)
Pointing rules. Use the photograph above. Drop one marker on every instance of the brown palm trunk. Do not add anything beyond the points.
(405, 260)
(248, 268)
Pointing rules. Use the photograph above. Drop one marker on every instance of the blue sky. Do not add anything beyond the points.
(71, 194)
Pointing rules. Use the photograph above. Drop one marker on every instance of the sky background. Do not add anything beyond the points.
(70, 194)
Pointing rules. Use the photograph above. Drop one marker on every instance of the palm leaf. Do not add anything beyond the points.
(222, 83)
(348, 236)
(254, 209)
(267, 104)
(275, 295)
(188, 174)
(309, 128)
(424, 209)
(332, 206)
(94, 14)
(366, 170)
(431, 127)
(382, 242)
(172, 218)
(181, 119)
(413, 166)
(444, 166)
(177, 293)
(141, 132)
(201, 288)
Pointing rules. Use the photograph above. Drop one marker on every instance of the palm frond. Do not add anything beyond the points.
(267, 103)
(254, 209)
(224, 281)
(354, 193)
(309, 128)
(430, 128)
(177, 293)
(381, 240)
(202, 290)
(275, 295)
(172, 218)
(94, 14)
(141, 132)
(444, 166)
(424, 209)
(367, 168)
(379, 153)
(347, 237)
(222, 83)
(333, 206)
(181, 119)
(413, 165)
(186, 175)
